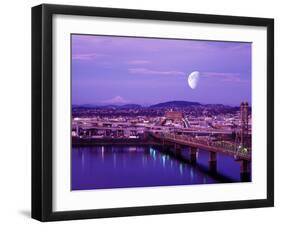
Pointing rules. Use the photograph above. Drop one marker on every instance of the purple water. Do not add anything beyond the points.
(120, 167)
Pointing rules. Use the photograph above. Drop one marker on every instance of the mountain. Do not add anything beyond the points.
(171, 104)
(125, 106)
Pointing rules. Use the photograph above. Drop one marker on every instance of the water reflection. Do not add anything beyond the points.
(102, 153)
(116, 167)
(181, 169)
(192, 174)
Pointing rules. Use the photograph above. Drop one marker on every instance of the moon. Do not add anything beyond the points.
(193, 79)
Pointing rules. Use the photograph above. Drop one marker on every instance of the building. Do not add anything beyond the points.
(174, 115)
(174, 118)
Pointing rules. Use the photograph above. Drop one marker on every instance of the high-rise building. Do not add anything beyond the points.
(244, 117)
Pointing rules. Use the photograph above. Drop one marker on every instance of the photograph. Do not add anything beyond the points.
(150, 111)
(140, 112)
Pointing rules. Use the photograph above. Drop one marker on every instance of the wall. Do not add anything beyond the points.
(15, 110)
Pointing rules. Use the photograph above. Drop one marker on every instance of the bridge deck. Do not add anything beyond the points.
(205, 145)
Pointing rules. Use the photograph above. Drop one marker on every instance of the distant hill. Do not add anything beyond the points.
(169, 104)
(131, 106)
(172, 104)
(86, 106)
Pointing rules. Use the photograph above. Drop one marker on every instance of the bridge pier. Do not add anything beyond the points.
(165, 148)
(177, 149)
(213, 162)
(245, 170)
(192, 154)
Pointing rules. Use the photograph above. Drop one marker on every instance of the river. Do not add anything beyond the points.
(137, 166)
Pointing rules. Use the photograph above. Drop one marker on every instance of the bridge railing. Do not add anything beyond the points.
(226, 146)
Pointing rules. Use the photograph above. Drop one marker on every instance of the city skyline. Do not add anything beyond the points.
(121, 70)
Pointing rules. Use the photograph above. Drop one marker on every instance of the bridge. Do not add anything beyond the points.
(213, 147)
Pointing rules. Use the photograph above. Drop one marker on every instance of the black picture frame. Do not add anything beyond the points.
(42, 107)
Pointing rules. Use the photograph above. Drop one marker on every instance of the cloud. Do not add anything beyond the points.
(137, 62)
(224, 76)
(86, 56)
(145, 71)
(116, 100)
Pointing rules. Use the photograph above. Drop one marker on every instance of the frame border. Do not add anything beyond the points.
(41, 204)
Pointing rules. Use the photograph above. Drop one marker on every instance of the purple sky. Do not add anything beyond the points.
(122, 70)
